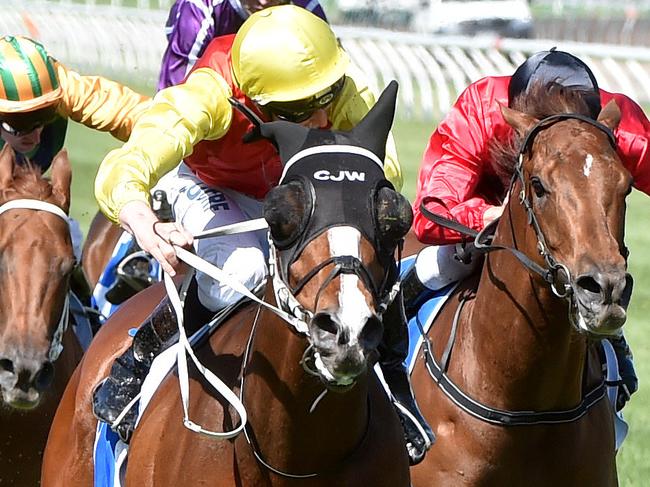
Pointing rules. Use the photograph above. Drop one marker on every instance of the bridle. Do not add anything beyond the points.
(56, 346)
(552, 269)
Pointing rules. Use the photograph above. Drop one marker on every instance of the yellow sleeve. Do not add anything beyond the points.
(351, 106)
(179, 118)
(100, 103)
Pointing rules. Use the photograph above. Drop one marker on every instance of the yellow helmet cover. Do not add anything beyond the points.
(28, 79)
(286, 53)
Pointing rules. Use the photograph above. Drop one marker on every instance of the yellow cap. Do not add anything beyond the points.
(286, 53)
(28, 79)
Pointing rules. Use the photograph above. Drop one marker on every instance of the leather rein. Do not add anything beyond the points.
(550, 273)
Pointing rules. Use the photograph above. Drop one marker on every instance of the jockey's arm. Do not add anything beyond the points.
(179, 117)
(100, 103)
(190, 28)
(451, 170)
(632, 139)
(354, 101)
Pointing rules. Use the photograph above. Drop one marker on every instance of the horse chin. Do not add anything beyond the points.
(601, 324)
(21, 400)
(334, 380)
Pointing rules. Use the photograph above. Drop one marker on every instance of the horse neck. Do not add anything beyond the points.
(520, 331)
(292, 430)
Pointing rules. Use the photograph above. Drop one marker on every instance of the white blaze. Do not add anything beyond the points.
(354, 310)
(589, 161)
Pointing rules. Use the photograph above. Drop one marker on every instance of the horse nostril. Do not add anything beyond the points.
(589, 284)
(372, 333)
(324, 322)
(7, 365)
(627, 290)
(44, 377)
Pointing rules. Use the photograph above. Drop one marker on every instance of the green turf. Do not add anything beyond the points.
(87, 148)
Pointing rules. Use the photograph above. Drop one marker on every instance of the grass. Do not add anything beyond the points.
(87, 148)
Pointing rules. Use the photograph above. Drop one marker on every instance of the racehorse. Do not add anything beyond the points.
(98, 247)
(317, 414)
(38, 351)
(517, 396)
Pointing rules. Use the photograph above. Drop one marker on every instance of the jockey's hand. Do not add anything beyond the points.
(494, 212)
(154, 236)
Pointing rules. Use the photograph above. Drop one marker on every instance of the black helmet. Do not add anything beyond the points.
(555, 66)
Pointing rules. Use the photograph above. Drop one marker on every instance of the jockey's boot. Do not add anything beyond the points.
(629, 380)
(393, 351)
(414, 293)
(131, 368)
(81, 288)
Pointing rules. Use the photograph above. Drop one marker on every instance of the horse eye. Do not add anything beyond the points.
(538, 187)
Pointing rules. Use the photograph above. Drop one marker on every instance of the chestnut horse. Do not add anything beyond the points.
(517, 396)
(98, 247)
(317, 414)
(38, 350)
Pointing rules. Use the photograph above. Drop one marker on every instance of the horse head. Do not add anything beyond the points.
(574, 185)
(36, 259)
(335, 222)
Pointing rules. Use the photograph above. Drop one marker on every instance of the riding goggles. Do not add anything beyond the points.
(20, 132)
(301, 110)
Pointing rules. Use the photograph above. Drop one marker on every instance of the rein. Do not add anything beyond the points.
(549, 273)
(56, 347)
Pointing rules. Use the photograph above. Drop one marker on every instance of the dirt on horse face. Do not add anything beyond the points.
(524, 348)
(36, 356)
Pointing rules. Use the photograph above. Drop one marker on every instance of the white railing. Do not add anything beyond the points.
(128, 43)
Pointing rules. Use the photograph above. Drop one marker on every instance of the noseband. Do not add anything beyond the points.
(56, 347)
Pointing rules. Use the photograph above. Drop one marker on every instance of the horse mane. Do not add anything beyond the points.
(541, 100)
(28, 181)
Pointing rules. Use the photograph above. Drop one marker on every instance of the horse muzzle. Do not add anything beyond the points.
(601, 301)
(22, 388)
(343, 352)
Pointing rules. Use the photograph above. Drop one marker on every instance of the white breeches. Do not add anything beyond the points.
(199, 207)
(436, 266)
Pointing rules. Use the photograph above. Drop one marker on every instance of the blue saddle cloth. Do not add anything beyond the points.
(105, 456)
(423, 319)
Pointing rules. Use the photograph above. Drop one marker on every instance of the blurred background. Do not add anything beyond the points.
(434, 48)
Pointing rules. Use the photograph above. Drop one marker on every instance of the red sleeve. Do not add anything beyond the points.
(632, 139)
(455, 160)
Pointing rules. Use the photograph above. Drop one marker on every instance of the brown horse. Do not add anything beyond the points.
(519, 400)
(317, 415)
(98, 247)
(37, 260)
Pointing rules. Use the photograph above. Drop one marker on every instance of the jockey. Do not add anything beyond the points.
(284, 63)
(456, 179)
(37, 97)
(190, 27)
(192, 24)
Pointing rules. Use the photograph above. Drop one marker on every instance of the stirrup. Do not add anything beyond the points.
(133, 275)
(419, 438)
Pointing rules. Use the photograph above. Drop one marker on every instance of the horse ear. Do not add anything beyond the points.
(373, 130)
(610, 116)
(61, 179)
(394, 214)
(7, 160)
(520, 121)
(288, 137)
